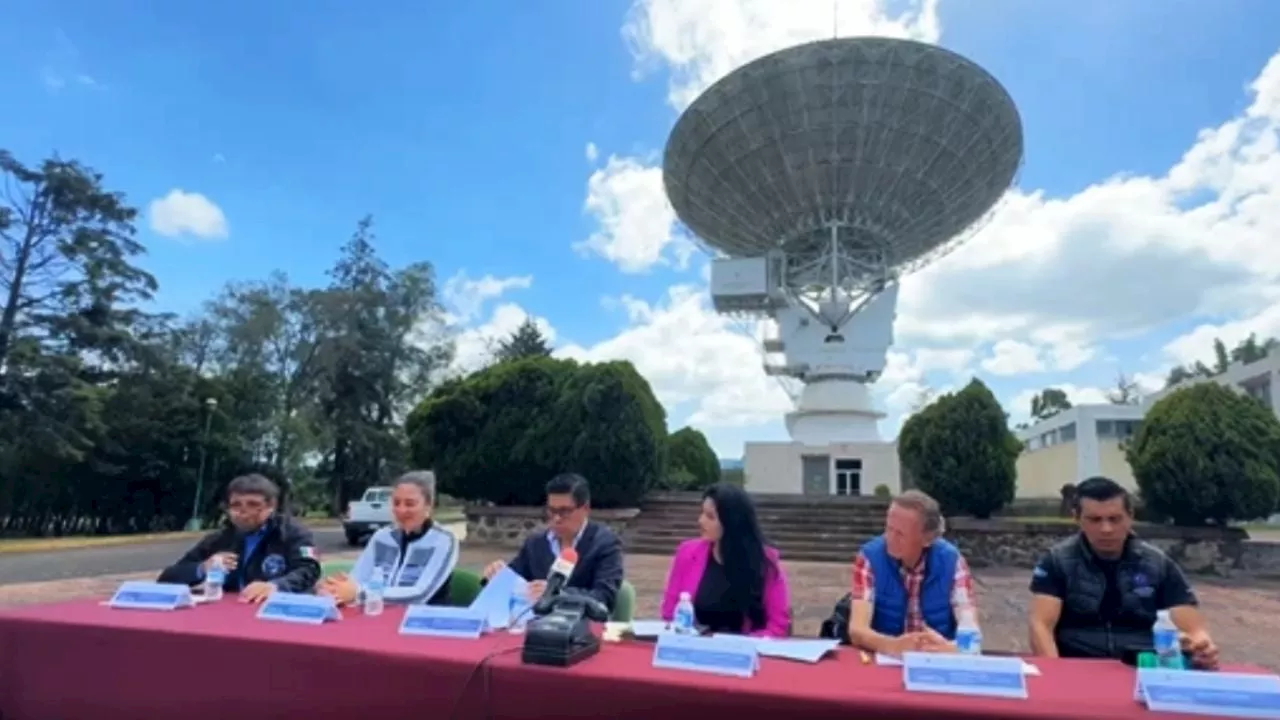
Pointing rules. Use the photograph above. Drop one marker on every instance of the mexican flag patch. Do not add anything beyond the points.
(308, 552)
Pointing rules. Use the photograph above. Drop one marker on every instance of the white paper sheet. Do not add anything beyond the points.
(809, 650)
(891, 661)
(649, 628)
(494, 600)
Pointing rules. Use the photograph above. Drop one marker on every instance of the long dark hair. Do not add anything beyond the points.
(742, 548)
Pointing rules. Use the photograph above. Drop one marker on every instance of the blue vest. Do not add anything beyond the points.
(889, 615)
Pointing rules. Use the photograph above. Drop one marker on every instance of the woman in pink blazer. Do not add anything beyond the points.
(735, 580)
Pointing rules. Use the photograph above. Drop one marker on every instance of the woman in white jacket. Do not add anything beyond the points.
(415, 556)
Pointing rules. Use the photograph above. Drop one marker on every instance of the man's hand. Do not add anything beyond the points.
(1204, 654)
(536, 588)
(229, 561)
(256, 592)
(340, 587)
(907, 642)
(934, 642)
(493, 568)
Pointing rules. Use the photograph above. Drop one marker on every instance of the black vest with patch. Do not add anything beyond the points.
(1087, 629)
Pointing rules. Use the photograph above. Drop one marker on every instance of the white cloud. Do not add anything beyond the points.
(593, 152)
(1046, 286)
(692, 356)
(637, 227)
(1010, 357)
(1019, 407)
(474, 346)
(701, 41)
(182, 213)
(464, 297)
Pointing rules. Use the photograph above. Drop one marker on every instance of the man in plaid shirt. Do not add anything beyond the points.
(909, 585)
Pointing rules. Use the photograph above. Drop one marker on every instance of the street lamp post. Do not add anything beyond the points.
(193, 524)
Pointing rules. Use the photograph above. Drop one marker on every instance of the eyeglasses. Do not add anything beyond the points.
(562, 511)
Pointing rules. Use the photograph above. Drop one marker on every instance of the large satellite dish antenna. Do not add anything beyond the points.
(821, 174)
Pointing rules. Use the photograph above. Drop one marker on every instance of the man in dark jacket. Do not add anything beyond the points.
(1096, 594)
(598, 573)
(262, 550)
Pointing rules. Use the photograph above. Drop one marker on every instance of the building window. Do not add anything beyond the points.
(1260, 391)
(1106, 429)
(848, 476)
(1067, 433)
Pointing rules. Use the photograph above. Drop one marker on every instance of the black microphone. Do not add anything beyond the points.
(561, 569)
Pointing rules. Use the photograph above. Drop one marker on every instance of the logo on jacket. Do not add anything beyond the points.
(273, 565)
(1141, 587)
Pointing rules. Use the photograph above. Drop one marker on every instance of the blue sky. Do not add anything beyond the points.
(465, 130)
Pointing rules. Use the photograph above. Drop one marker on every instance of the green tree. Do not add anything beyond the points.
(960, 450)
(377, 356)
(690, 455)
(1049, 402)
(1206, 454)
(527, 341)
(501, 433)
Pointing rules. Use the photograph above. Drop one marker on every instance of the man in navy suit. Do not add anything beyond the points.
(598, 573)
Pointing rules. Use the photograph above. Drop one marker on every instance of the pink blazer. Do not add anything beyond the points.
(686, 573)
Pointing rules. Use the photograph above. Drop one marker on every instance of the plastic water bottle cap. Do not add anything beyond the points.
(1147, 660)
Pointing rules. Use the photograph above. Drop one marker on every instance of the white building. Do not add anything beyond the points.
(1260, 380)
(793, 468)
(1086, 440)
(1076, 444)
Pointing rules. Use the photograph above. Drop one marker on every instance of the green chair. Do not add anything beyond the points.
(464, 586)
(624, 607)
(333, 567)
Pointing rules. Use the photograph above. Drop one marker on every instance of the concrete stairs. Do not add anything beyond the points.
(818, 529)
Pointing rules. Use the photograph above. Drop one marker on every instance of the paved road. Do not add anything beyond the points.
(90, 562)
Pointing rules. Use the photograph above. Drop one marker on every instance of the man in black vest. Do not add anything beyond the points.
(1096, 594)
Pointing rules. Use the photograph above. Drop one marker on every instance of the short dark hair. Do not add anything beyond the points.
(254, 484)
(571, 484)
(1101, 489)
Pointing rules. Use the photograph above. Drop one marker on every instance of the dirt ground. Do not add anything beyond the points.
(1244, 616)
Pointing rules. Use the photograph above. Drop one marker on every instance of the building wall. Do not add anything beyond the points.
(776, 468)
(1041, 474)
(1113, 464)
(1259, 379)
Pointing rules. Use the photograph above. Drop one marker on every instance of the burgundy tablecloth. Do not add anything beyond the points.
(83, 660)
(621, 682)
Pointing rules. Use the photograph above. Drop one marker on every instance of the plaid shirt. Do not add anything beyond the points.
(864, 588)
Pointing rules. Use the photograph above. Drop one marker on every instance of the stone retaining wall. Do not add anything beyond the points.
(986, 543)
(1216, 551)
(508, 526)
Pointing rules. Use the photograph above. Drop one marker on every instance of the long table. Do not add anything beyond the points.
(84, 660)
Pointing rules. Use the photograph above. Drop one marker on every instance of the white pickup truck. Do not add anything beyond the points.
(367, 514)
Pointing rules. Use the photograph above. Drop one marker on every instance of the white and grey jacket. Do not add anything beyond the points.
(416, 566)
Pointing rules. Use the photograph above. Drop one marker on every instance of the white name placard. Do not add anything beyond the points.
(974, 675)
(139, 595)
(1219, 694)
(720, 654)
(450, 622)
(299, 608)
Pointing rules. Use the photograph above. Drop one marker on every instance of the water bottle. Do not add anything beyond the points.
(684, 615)
(1164, 635)
(373, 603)
(214, 577)
(968, 635)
